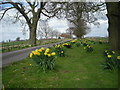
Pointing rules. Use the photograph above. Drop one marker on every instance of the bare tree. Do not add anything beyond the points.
(80, 28)
(45, 28)
(78, 14)
(85, 10)
(31, 11)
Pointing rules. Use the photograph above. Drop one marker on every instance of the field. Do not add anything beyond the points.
(78, 69)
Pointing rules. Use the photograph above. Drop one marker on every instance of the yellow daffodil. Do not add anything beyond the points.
(62, 52)
(45, 53)
(30, 64)
(36, 50)
(33, 51)
(74, 40)
(37, 53)
(47, 50)
(53, 53)
(109, 56)
(48, 55)
(113, 52)
(42, 48)
(105, 50)
(57, 46)
(65, 44)
(31, 55)
(118, 57)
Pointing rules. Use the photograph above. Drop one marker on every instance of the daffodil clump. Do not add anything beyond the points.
(44, 57)
(89, 48)
(74, 41)
(59, 50)
(67, 45)
(78, 43)
(112, 60)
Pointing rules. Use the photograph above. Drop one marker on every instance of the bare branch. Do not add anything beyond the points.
(5, 10)
(20, 8)
(29, 3)
(46, 15)
(42, 4)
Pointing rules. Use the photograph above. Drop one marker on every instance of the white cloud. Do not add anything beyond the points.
(60, 25)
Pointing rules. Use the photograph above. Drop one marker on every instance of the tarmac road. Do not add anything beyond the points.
(10, 57)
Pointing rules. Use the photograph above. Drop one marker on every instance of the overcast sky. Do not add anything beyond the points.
(12, 31)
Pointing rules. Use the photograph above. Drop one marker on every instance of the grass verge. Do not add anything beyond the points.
(78, 70)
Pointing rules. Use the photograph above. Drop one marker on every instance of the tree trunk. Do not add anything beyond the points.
(32, 38)
(114, 25)
(46, 35)
(33, 29)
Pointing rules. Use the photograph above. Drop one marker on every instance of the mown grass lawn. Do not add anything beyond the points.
(78, 70)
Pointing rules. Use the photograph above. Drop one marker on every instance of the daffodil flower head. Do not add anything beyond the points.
(62, 52)
(36, 50)
(49, 55)
(31, 55)
(45, 53)
(105, 50)
(109, 56)
(42, 48)
(33, 51)
(58, 46)
(113, 52)
(118, 57)
(47, 50)
(53, 53)
(37, 53)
